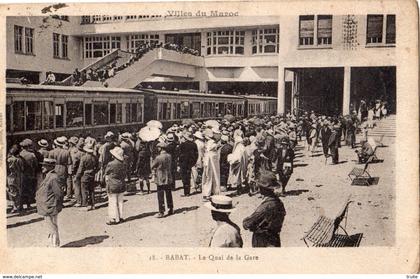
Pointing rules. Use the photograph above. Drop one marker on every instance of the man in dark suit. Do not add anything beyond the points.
(267, 220)
(172, 149)
(225, 150)
(162, 165)
(285, 157)
(325, 137)
(333, 144)
(188, 155)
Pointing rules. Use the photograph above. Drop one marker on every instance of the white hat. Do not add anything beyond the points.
(118, 153)
(220, 203)
(109, 134)
(199, 135)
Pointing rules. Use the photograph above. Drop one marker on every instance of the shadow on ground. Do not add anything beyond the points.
(91, 240)
(18, 224)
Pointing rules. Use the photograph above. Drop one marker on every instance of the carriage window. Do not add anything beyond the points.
(74, 114)
(222, 108)
(59, 112)
(48, 115)
(234, 109)
(196, 110)
(174, 105)
(127, 113)
(139, 113)
(112, 114)
(33, 115)
(88, 114)
(118, 113)
(100, 113)
(18, 116)
(134, 112)
(185, 110)
(178, 111)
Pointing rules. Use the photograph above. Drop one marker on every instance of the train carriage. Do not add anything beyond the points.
(260, 105)
(42, 111)
(173, 106)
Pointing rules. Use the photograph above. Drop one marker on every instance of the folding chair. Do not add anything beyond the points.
(360, 176)
(323, 231)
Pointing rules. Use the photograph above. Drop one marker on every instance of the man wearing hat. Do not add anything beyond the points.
(85, 175)
(105, 155)
(267, 220)
(115, 175)
(285, 157)
(43, 148)
(238, 161)
(227, 233)
(15, 168)
(333, 143)
(211, 167)
(75, 159)
(63, 160)
(162, 166)
(128, 148)
(172, 149)
(31, 168)
(197, 170)
(187, 158)
(49, 200)
(325, 134)
(225, 150)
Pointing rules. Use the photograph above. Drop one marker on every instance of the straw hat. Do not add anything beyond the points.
(198, 135)
(268, 180)
(220, 203)
(43, 143)
(170, 137)
(224, 138)
(118, 153)
(73, 140)
(26, 143)
(60, 141)
(48, 162)
(109, 135)
(88, 147)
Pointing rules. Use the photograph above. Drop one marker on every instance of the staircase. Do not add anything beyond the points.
(386, 127)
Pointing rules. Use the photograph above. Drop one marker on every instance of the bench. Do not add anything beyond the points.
(323, 232)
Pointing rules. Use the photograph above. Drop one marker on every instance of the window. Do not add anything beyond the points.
(24, 40)
(74, 114)
(324, 33)
(134, 112)
(115, 113)
(306, 30)
(311, 34)
(88, 114)
(59, 112)
(64, 46)
(118, 114)
(98, 46)
(8, 115)
(33, 115)
(134, 41)
(48, 115)
(29, 41)
(390, 29)
(265, 41)
(100, 113)
(379, 26)
(56, 45)
(374, 28)
(18, 39)
(18, 116)
(226, 42)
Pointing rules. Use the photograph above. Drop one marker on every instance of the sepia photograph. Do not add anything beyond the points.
(201, 126)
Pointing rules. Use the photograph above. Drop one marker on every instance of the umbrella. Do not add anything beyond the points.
(229, 117)
(187, 122)
(212, 123)
(154, 124)
(149, 133)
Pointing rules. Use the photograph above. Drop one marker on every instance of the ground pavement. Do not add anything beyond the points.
(315, 187)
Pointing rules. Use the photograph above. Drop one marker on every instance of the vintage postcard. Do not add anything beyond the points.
(210, 137)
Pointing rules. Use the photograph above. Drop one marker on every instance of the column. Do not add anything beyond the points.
(203, 85)
(280, 91)
(346, 90)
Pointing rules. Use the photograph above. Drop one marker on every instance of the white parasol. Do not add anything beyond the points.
(155, 124)
(149, 133)
(212, 123)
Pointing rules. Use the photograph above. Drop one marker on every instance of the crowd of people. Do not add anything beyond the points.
(252, 156)
(112, 68)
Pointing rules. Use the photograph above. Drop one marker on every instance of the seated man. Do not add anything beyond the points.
(365, 152)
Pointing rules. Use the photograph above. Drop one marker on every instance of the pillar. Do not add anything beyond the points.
(346, 90)
(280, 91)
(203, 85)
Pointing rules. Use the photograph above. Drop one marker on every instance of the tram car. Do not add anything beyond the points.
(47, 111)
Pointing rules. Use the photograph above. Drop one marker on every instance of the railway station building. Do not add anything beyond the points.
(321, 62)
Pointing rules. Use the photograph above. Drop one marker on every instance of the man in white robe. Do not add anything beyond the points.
(211, 167)
(238, 161)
